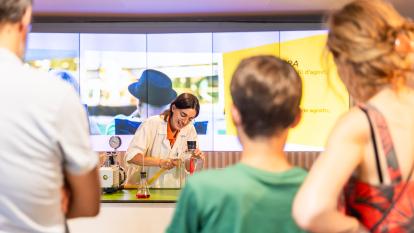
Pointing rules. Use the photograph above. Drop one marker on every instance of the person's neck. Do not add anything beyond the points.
(9, 39)
(173, 130)
(265, 153)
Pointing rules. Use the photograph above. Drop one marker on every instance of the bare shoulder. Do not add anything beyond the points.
(353, 125)
(343, 152)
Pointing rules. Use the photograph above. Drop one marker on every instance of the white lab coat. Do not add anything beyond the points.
(150, 139)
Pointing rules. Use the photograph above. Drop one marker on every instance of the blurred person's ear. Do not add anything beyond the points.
(297, 119)
(25, 23)
(235, 115)
(23, 29)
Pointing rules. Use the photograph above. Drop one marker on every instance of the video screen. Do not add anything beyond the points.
(57, 53)
(109, 71)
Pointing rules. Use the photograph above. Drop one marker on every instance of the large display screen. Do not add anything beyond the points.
(107, 71)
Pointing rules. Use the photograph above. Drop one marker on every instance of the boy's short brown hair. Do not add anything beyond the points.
(267, 92)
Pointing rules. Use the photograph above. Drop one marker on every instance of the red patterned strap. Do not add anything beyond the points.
(381, 127)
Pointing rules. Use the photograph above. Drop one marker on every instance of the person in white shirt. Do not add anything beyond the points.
(161, 139)
(48, 170)
(66, 76)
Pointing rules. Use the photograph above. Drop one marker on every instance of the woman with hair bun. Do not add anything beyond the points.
(369, 154)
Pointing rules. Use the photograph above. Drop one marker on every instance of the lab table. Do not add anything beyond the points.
(123, 212)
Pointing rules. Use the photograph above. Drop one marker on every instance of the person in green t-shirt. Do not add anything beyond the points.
(256, 194)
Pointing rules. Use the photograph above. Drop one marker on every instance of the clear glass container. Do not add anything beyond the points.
(190, 162)
(143, 190)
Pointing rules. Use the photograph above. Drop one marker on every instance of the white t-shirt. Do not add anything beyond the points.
(150, 139)
(44, 131)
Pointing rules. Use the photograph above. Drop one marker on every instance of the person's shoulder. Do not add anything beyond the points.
(153, 122)
(290, 176)
(157, 119)
(38, 75)
(297, 174)
(206, 176)
(354, 116)
(352, 124)
(45, 81)
(213, 179)
(299, 170)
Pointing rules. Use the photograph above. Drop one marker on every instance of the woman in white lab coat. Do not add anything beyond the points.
(161, 139)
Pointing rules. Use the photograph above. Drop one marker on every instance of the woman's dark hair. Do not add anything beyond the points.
(183, 101)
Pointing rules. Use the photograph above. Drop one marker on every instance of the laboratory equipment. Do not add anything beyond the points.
(143, 190)
(111, 174)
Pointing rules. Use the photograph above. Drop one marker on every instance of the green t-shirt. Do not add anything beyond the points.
(238, 199)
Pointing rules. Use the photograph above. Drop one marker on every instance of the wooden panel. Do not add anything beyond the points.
(222, 159)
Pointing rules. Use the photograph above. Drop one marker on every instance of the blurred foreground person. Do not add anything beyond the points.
(370, 152)
(256, 194)
(47, 167)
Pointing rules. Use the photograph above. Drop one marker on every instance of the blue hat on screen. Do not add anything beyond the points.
(153, 87)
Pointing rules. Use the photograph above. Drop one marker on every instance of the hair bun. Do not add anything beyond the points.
(403, 44)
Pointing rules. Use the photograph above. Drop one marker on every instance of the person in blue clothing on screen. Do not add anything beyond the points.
(256, 194)
(154, 93)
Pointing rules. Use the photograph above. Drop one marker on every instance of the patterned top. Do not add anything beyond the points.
(382, 208)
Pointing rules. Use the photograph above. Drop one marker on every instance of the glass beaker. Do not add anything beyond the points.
(192, 163)
(143, 190)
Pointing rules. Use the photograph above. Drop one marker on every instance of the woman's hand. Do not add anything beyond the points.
(176, 161)
(166, 164)
(199, 154)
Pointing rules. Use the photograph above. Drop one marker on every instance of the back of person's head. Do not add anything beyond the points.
(12, 11)
(184, 101)
(371, 43)
(267, 92)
